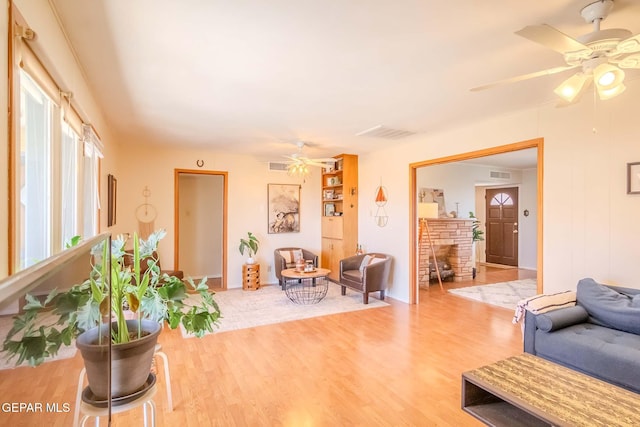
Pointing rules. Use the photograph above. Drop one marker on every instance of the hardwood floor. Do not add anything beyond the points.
(488, 274)
(399, 365)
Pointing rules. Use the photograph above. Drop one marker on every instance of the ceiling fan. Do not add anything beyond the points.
(600, 55)
(298, 163)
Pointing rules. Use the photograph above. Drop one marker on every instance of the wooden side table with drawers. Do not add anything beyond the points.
(251, 277)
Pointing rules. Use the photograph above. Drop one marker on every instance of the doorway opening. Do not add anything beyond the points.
(536, 144)
(201, 225)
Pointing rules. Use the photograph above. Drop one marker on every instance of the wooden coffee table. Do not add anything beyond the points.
(527, 390)
(306, 287)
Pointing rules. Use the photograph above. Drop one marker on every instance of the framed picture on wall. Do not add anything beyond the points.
(112, 192)
(633, 178)
(431, 195)
(284, 208)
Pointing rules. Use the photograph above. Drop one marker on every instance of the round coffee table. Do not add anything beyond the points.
(306, 287)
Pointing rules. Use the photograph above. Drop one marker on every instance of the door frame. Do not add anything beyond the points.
(537, 143)
(176, 216)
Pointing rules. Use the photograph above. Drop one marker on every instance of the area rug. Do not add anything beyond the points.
(268, 305)
(504, 294)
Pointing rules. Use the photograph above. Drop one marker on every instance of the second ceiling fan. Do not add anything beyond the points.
(601, 55)
(298, 163)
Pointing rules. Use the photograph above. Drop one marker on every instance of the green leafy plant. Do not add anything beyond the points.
(137, 287)
(475, 228)
(250, 244)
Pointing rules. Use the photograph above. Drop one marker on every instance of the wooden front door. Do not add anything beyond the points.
(502, 226)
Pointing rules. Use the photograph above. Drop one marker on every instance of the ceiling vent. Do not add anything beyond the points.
(500, 175)
(385, 132)
(277, 166)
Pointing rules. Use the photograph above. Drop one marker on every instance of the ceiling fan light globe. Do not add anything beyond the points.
(608, 76)
(606, 79)
(568, 92)
(573, 86)
(605, 94)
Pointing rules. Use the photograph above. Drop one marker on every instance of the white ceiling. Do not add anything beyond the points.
(251, 76)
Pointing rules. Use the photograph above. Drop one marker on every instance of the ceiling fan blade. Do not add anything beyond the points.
(629, 61)
(630, 45)
(316, 163)
(524, 77)
(554, 39)
(325, 160)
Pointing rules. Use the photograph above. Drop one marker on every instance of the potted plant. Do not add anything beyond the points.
(141, 300)
(476, 237)
(250, 244)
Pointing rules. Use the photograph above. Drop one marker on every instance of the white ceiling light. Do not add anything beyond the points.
(573, 86)
(299, 163)
(605, 94)
(601, 54)
(608, 76)
(298, 168)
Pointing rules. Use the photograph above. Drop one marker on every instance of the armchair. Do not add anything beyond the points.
(128, 261)
(286, 258)
(365, 273)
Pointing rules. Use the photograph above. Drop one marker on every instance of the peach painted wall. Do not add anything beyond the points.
(590, 223)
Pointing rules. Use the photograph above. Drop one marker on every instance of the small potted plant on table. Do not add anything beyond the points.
(250, 244)
(251, 270)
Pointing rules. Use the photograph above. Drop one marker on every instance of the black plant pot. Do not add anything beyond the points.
(130, 362)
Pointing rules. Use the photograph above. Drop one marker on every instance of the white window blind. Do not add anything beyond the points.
(92, 156)
(34, 184)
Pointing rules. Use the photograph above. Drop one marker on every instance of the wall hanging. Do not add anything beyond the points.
(381, 218)
(633, 178)
(146, 215)
(284, 208)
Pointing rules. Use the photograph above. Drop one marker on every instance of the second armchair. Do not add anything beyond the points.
(365, 273)
(286, 258)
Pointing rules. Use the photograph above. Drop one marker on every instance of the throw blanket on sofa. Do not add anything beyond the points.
(544, 302)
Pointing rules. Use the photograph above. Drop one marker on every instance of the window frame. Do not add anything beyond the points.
(23, 52)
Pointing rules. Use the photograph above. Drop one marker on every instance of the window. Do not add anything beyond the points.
(34, 210)
(501, 199)
(55, 164)
(69, 183)
(91, 207)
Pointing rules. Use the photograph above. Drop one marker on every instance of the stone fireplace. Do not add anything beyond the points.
(452, 239)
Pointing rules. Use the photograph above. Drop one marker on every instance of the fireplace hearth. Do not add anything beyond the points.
(452, 240)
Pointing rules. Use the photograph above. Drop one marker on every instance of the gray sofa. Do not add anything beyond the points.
(599, 336)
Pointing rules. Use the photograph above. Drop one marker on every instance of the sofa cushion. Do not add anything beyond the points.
(291, 256)
(558, 319)
(608, 307)
(541, 303)
(602, 352)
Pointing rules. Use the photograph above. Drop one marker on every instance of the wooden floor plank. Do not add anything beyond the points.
(396, 365)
